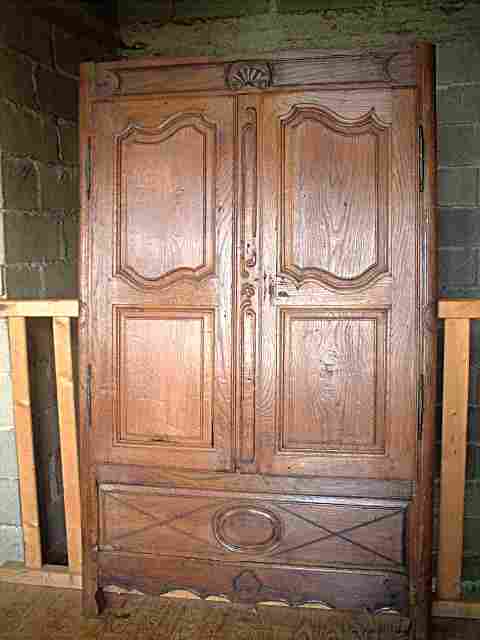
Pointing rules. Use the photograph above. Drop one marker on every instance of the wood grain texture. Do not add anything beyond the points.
(88, 491)
(39, 308)
(247, 280)
(250, 583)
(389, 67)
(421, 520)
(67, 425)
(393, 291)
(459, 309)
(313, 294)
(334, 180)
(454, 455)
(24, 436)
(164, 360)
(160, 361)
(165, 220)
(285, 530)
(333, 386)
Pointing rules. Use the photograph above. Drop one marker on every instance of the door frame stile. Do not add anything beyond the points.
(88, 486)
(421, 521)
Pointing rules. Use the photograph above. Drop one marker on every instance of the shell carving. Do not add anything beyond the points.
(256, 75)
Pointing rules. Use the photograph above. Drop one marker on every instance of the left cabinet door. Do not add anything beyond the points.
(160, 286)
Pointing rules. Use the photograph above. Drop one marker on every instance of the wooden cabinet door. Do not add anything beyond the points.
(161, 282)
(338, 379)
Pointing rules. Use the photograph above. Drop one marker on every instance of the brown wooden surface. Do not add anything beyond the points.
(333, 316)
(39, 308)
(48, 576)
(286, 529)
(421, 526)
(459, 309)
(454, 454)
(256, 582)
(252, 278)
(387, 67)
(67, 425)
(88, 492)
(24, 437)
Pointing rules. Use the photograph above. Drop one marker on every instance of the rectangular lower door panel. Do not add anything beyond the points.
(285, 534)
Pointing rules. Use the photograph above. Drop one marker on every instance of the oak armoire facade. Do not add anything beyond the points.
(257, 328)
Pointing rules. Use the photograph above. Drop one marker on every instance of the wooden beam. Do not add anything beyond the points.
(24, 436)
(454, 452)
(68, 439)
(39, 308)
(47, 576)
(455, 609)
(459, 309)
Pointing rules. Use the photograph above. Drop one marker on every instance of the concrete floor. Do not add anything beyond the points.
(38, 613)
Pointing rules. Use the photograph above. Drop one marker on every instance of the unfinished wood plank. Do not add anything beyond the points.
(459, 309)
(24, 436)
(47, 576)
(68, 440)
(454, 453)
(38, 308)
(456, 609)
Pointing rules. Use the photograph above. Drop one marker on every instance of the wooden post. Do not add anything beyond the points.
(68, 440)
(24, 436)
(454, 452)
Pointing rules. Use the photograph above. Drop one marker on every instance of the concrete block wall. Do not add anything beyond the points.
(39, 209)
(458, 114)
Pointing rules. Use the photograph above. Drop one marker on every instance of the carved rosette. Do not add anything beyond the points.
(249, 75)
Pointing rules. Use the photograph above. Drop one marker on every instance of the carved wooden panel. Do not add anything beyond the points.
(334, 177)
(165, 181)
(333, 377)
(247, 278)
(164, 362)
(283, 530)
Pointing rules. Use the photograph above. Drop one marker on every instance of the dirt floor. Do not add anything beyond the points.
(37, 613)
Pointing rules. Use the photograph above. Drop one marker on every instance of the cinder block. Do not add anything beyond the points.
(31, 238)
(6, 401)
(11, 544)
(459, 104)
(9, 502)
(57, 94)
(25, 32)
(60, 280)
(8, 455)
(24, 282)
(473, 462)
(292, 6)
(70, 237)
(59, 188)
(457, 186)
(69, 143)
(16, 78)
(459, 144)
(23, 132)
(458, 268)
(459, 227)
(71, 50)
(472, 499)
(458, 61)
(215, 8)
(20, 183)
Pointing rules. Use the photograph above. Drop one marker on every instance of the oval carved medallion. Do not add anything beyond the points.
(247, 529)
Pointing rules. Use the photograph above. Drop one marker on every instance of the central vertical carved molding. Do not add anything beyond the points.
(247, 280)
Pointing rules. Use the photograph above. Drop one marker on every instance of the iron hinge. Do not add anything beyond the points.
(88, 397)
(88, 168)
(421, 159)
(420, 406)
